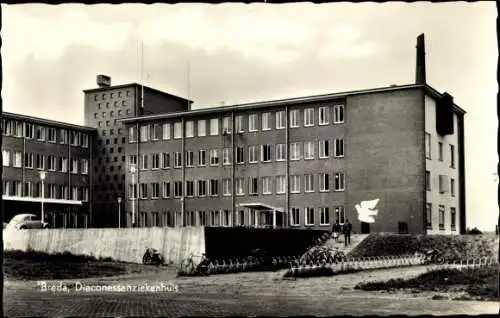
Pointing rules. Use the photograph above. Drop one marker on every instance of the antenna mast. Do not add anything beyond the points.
(189, 82)
(142, 74)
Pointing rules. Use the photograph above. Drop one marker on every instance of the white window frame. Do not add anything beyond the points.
(428, 148)
(226, 156)
(341, 176)
(177, 159)
(17, 159)
(165, 160)
(189, 129)
(155, 190)
(214, 157)
(214, 126)
(339, 151)
(295, 151)
(226, 187)
(308, 183)
(324, 149)
(226, 125)
(338, 114)
(166, 190)
(280, 152)
(294, 216)
(294, 118)
(324, 215)
(262, 152)
(324, 182)
(155, 161)
(309, 150)
(280, 119)
(239, 123)
(252, 123)
(294, 184)
(266, 121)
(323, 115)
(166, 131)
(6, 158)
(280, 185)
(202, 128)
(309, 117)
(144, 133)
(266, 185)
(240, 190)
(178, 130)
(189, 159)
(253, 154)
(339, 213)
(202, 163)
(307, 218)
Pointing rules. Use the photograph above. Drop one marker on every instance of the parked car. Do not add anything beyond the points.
(27, 221)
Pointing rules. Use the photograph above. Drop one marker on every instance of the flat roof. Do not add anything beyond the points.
(46, 121)
(106, 88)
(307, 99)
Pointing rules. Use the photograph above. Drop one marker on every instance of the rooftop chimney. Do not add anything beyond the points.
(103, 81)
(420, 71)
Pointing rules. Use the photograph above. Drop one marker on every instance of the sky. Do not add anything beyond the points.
(240, 53)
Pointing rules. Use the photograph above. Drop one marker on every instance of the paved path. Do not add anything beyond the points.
(236, 294)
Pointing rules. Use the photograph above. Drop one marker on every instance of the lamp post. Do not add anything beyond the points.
(133, 172)
(119, 212)
(42, 177)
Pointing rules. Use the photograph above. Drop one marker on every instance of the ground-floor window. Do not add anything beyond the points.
(309, 213)
(241, 217)
(441, 217)
(428, 219)
(202, 218)
(324, 216)
(453, 219)
(340, 214)
(295, 216)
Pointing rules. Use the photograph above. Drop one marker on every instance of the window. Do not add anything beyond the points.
(29, 131)
(295, 151)
(74, 166)
(280, 152)
(178, 130)
(308, 117)
(309, 183)
(132, 191)
(452, 156)
(85, 166)
(253, 186)
(177, 159)
(189, 159)
(266, 153)
(17, 159)
(63, 164)
(308, 150)
(177, 189)
(6, 158)
(309, 212)
(155, 132)
(202, 188)
(443, 183)
(226, 187)
(324, 216)
(266, 185)
(239, 124)
(144, 162)
(428, 215)
(214, 127)
(266, 121)
(323, 149)
(427, 145)
(324, 182)
(239, 186)
(28, 160)
(40, 161)
(155, 190)
(294, 184)
(214, 157)
(63, 136)
(241, 218)
(226, 125)
(132, 134)
(166, 190)
(202, 217)
(155, 161)
(280, 184)
(453, 219)
(280, 119)
(202, 128)
(27, 189)
(166, 131)
(338, 114)
(226, 156)
(323, 115)
(202, 158)
(144, 133)
(143, 190)
(294, 118)
(428, 180)
(452, 187)
(252, 122)
(339, 214)
(51, 165)
(339, 147)
(441, 217)
(19, 129)
(51, 135)
(252, 154)
(240, 155)
(440, 151)
(40, 133)
(190, 188)
(84, 140)
(132, 159)
(295, 216)
(189, 129)
(339, 181)
(165, 160)
(74, 193)
(214, 187)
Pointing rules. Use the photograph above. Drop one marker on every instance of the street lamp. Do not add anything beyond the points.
(42, 177)
(133, 171)
(119, 212)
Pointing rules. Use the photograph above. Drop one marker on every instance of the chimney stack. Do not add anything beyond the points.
(420, 77)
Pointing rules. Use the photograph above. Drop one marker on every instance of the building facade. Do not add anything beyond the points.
(295, 163)
(104, 107)
(63, 152)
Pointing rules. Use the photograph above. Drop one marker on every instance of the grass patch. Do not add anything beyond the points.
(32, 265)
(480, 282)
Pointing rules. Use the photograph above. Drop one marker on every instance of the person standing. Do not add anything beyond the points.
(347, 232)
(336, 230)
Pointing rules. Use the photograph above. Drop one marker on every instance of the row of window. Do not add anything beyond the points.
(51, 191)
(163, 160)
(312, 217)
(37, 161)
(21, 129)
(252, 186)
(441, 217)
(107, 123)
(428, 151)
(443, 184)
(104, 96)
(157, 131)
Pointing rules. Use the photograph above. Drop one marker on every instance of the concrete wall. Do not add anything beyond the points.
(127, 245)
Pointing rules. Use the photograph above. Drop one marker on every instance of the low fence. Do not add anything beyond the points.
(126, 244)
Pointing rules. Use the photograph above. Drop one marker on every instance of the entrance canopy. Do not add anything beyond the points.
(260, 206)
(45, 200)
